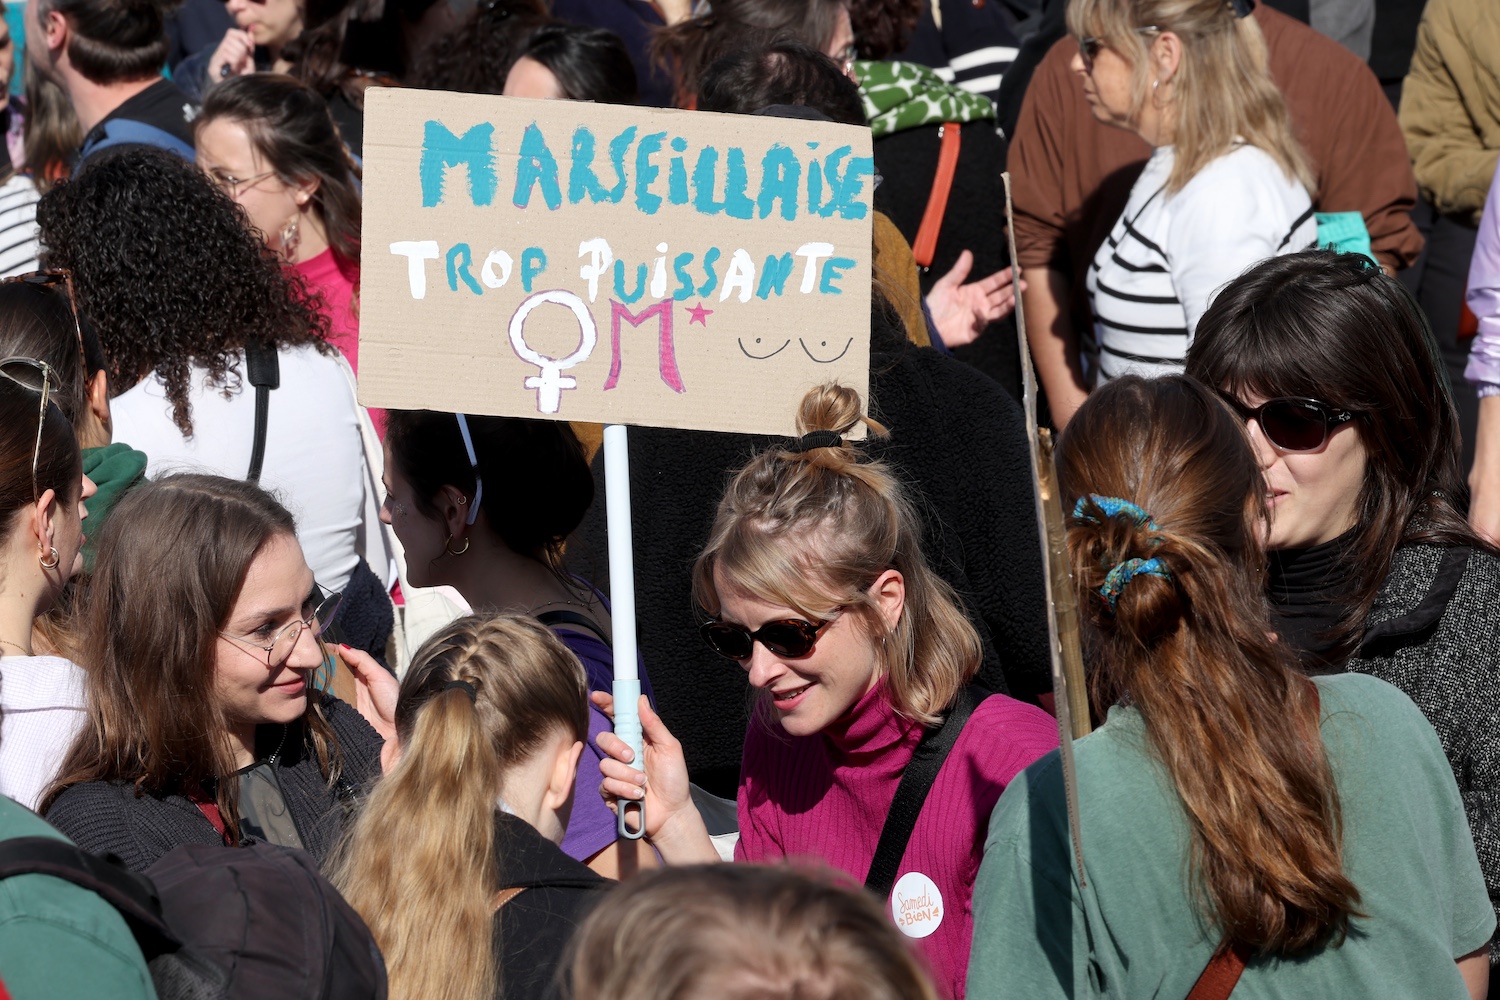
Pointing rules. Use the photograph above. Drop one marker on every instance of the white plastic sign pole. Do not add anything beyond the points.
(627, 687)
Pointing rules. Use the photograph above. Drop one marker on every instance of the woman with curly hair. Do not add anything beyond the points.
(179, 288)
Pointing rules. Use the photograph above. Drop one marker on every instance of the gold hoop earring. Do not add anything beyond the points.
(448, 546)
(51, 554)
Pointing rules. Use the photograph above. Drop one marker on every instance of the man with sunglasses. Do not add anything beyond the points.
(107, 58)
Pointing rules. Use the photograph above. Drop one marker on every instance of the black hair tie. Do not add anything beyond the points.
(1240, 8)
(818, 439)
(463, 686)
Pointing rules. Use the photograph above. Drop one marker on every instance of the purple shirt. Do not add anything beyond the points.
(1484, 298)
(591, 827)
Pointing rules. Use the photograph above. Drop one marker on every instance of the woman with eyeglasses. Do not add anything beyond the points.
(269, 143)
(483, 505)
(190, 310)
(1245, 831)
(1373, 566)
(42, 494)
(814, 583)
(1227, 184)
(200, 629)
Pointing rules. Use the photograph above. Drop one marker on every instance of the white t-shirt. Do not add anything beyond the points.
(42, 698)
(314, 462)
(1168, 255)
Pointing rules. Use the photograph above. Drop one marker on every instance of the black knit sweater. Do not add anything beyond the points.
(956, 436)
(106, 817)
(1435, 634)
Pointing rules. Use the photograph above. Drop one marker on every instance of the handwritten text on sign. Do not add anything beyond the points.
(624, 265)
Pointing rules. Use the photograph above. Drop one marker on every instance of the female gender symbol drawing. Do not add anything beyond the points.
(550, 383)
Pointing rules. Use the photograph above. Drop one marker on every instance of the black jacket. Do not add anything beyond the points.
(956, 436)
(533, 928)
(107, 817)
(1435, 633)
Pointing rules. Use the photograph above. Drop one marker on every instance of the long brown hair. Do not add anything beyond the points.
(1334, 327)
(290, 127)
(426, 889)
(690, 47)
(742, 932)
(172, 559)
(1222, 91)
(811, 530)
(1226, 711)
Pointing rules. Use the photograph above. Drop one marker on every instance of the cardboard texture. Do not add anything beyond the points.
(620, 265)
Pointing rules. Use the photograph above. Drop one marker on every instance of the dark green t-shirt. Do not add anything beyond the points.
(1135, 931)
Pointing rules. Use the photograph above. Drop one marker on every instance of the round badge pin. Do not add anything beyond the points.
(916, 905)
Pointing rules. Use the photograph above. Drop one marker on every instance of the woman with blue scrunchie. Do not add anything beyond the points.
(1241, 823)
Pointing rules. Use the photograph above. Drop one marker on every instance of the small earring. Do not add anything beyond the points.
(448, 546)
(291, 236)
(51, 554)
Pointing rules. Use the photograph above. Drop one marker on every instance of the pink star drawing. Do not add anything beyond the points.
(698, 314)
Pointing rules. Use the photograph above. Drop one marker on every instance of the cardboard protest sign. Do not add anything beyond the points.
(612, 264)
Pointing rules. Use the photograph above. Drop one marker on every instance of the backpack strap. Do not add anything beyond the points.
(554, 619)
(1223, 971)
(129, 132)
(937, 201)
(263, 369)
(133, 895)
(916, 782)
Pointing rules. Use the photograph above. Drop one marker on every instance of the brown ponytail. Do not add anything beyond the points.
(810, 528)
(1233, 722)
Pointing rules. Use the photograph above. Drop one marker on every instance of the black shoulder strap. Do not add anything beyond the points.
(916, 782)
(263, 369)
(552, 619)
(133, 895)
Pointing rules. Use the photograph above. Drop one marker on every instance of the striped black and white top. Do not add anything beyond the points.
(18, 229)
(1168, 255)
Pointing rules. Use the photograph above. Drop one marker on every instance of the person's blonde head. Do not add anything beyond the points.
(742, 932)
(419, 862)
(1221, 92)
(812, 530)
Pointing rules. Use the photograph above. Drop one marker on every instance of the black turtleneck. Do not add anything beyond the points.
(1310, 591)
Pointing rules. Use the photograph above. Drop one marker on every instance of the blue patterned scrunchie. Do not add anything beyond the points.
(1123, 573)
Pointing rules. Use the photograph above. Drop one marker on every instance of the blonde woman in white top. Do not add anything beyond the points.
(42, 489)
(1227, 186)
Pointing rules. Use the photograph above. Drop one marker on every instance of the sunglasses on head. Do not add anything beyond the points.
(38, 377)
(1293, 423)
(791, 637)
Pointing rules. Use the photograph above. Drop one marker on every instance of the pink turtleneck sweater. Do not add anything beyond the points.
(827, 796)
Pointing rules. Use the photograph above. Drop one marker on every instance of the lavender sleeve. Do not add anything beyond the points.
(1484, 298)
(591, 827)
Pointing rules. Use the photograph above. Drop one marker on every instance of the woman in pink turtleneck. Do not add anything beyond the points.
(815, 582)
(271, 145)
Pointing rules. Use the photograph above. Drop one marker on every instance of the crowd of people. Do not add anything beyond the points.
(303, 698)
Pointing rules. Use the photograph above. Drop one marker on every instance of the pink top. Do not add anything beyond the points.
(335, 281)
(827, 796)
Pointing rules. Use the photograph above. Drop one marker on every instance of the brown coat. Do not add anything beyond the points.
(1073, 174)
(1450, 105)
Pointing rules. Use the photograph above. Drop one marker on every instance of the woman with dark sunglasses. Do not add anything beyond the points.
(814, 582)
(1227, 184)
(201, 632)
(42, 490)
(1373, 567)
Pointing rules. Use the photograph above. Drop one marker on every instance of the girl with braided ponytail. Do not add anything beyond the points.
(1232, 810)
(814, 582)
(453, 861)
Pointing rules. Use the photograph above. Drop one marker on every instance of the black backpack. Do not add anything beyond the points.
(218, 923)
